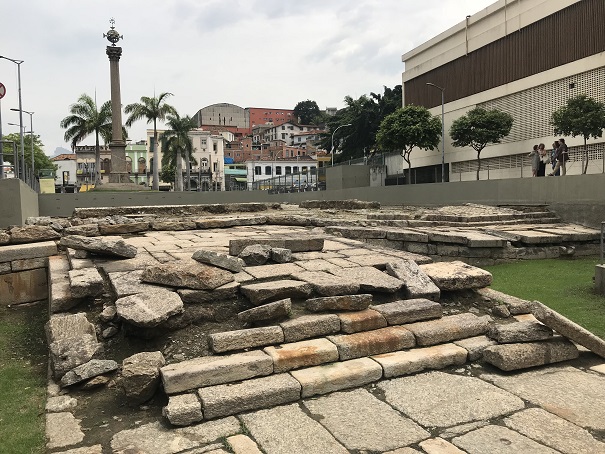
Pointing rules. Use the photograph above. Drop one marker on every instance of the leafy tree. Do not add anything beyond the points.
(306, 111)
(168, 173)
(478, 128)
(152, 110)
(85, 119)
(177, 145)
(407, 128)
(580, 116)
(41, 161)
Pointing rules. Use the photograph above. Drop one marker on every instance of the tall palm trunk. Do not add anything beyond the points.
(178, 182)
(97, 160)
(188, 167)
(156, 164)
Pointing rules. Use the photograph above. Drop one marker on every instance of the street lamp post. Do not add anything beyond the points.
(341, 126)
(31, 137)
(18, 63)
(442, 130)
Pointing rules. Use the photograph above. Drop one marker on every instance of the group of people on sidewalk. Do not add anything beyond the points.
(557, 158)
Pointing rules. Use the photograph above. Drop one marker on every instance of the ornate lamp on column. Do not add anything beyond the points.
(117, 145)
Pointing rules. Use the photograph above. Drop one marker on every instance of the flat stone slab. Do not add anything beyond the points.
(124, 283)
(224, 292)
(191, 275)
(183, 409)
(408, 311)
(246, 338)
(475, 346)
(416, 283)
(32, 234)
(569, 329)
(366, 320)
(152, 437)
(68, 326)
(62, 430)
(498, 439)
(368, 343)
(519, 332)
(339, 303)
(449, 328)
(457, 275)
(361, 422)
(242, 444)
(396, 364)
(85, 282)
(534, 237)
(515, 305)
(8, 253)
(301, 244)
(100, 246)
(438, 399)
(337, 376)
(439, 446)
(325, 284)
(302, 354)
(277, 271)
(214, 370)
(370, 279)
(265, 392)
(265, 291)
(140, 375)
(308, 326)
(213, 258)
(210, 431)
(287, 429)
(149, 309)
(271, 311)
(523, 355)
(88, 370)
(572, 233)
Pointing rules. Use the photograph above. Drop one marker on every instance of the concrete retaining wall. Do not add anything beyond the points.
(17, 202)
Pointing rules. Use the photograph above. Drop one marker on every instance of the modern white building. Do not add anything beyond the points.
(524, 57)
(286, 172)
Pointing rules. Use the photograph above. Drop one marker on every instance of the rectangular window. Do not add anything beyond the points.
(257, 170)
(214, 146)
(214, 166)
(295, 169)
(267, 170)
(288, 170)
(277, 170)
(283, 128)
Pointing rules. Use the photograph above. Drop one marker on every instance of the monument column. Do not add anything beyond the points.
(117, 145)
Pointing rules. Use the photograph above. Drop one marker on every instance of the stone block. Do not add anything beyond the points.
(416, 283)
(265, 392)
(23, 286)
(490, 439)
(339, 303)
(408, 311)
(302, 354)
(374, 342)
(32, 234)
(336, 376)
(515, 305)
(265, 291)
(276, 310)
(224, 261)
(194, 275)
(396, 364)
(242, 444)
(28, 264)
(85, 282)
(370, 279)
(245, 338)
(255, 254)
(119, 229)
(326, 284)
(124, 283)
(90, 369)
(148, 310)
(62, 430)
(448, 329)
(67, 326)
(367, 320)
(214, 370)
(183, 409)
(521, 356)
(141, 375)
(439, 446)
(511, 333)
(224, 292)
(457, 275)
(475, 346)
(309, 326)
(281, 255)
(275, 271)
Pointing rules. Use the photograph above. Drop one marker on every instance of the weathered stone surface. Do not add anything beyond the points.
(376, 428)
(255, 254)
(28, 264)
(449, 328)
(174, 226)
(32, 234)
(336, 376)
(242, 444)
(141, 375)
(374, 342)
(310, 326)
(225, 400)
(124, 283)
(190, 275)
(149, 309)
(408, 311)
(439, 446)
(409, 362)
(281, 255)
(118, 229)
(569, 329)
(183, 410)
(519, 332)
(515, 305)
(88, 370)
(62, 430)
(370, 279)
(422, 397)
(302, 354)
(85, 282)
(213, 258)
(326, 284)
(416, 283)
(348, 204)
(554, 432)
(367, 320)
(475, 346)
(299, 244)
(210, 431)
(520, 356)
(224, 292)
(23, 287)
(457, 275)
(4, 238)
(265, 291)
(108, 314)
(274, 271)
(499, 439)
(83, 230)
(61, 298)
(67, 353)
(214, 370)
(339, 303)
(65, 326)
(58, 404)
(245, 338)
(276, 310)
(151, 438)
(100, 246)
(287, 429)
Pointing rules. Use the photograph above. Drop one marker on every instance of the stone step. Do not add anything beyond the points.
(302, 354)
(368, 343)
(509, 357)
(447, 329)
(457, 275)
(409, 311)
(245, 338)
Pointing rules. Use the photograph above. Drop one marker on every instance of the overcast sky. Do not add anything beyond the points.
(252, 53)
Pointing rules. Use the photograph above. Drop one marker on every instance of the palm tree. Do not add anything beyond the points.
(152, 109)
(176, 145)
(86, 119)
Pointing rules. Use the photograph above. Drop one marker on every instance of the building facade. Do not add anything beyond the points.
(524, 57)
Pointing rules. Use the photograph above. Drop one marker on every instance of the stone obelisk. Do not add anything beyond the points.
(117, 145)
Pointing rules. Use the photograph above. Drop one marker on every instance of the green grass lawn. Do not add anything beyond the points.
(23, 366)
(564, 285)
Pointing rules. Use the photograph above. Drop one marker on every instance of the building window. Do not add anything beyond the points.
(214, 166)
(288, 170)
(141, 165)
(283, 128)
(267, 170)
(283, 136)
(128, 164)
(295, 169)
(277, 170)
(257, 170)
(214, 146)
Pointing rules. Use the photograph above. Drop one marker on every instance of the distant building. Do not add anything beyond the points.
(239, 120)
(66, 173)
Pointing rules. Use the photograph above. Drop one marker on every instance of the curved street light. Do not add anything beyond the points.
(31, 136)
(332, 152)
(442, 129)
(18, 63)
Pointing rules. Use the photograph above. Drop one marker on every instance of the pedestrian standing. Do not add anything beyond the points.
(544, 159)
(535, 161)
(553, 158)
(562, 158)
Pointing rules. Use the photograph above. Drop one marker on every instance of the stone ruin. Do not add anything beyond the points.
(233, 312)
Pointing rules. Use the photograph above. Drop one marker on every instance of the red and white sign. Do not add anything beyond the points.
(2, 90)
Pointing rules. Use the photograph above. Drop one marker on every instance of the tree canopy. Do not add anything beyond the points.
(41, 161)
(480, 127)
(306, 111)
(407, 128)
(177, 145)
(580, 116)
